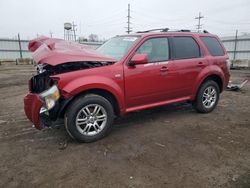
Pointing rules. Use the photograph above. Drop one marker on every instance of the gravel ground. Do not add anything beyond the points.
(169, 146)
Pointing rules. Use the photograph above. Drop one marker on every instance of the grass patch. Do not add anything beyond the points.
(244, 180)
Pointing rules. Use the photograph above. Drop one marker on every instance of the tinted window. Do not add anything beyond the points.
(156, 49)
(185, 47)
(213, 46)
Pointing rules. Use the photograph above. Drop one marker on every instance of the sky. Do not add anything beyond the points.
(107, 18)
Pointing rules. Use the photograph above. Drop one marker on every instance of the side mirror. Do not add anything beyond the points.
(139, 59)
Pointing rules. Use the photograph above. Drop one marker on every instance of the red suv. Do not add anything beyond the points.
(88, 88)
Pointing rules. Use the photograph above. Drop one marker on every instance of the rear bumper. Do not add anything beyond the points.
(32, 107)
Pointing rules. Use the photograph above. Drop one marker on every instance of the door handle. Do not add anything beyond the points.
(200, 64)
(164, 69)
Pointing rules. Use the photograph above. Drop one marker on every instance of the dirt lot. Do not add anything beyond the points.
(170, 146)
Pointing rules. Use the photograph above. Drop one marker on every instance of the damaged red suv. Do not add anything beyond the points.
(89, 88)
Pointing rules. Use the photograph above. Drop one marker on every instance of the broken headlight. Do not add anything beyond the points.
(50, 97)
(40, 68)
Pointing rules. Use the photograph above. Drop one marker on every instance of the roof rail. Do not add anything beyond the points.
(167, 30)
(147, 31)
(184, 30)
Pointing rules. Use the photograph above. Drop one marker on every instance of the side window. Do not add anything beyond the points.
(186, 47)
(213, 46)
(156, 48)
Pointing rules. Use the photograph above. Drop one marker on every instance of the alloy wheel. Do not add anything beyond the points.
(91, 119)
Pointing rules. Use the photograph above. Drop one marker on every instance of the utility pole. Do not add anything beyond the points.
(129, 29)
(199, 26)
(235, 45)
(51, 34)
(80, 28)
(74, 30)
(20, 46)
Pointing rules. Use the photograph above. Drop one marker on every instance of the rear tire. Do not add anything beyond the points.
(89, 118)
(207, 97)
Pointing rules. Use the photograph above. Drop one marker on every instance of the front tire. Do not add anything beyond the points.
(89, 118)
(207, 97)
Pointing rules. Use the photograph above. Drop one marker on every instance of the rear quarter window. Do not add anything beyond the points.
(213, 46)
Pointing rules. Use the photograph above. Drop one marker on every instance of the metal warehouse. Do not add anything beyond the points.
(237, 48)
(11, 49)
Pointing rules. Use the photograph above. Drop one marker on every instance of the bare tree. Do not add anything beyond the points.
(245, 34)
(82, 39)
(93, 38)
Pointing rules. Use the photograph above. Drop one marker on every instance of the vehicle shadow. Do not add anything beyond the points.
(128, 121)
(152, 114)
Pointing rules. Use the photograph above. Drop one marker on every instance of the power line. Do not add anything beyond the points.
(115, 15)
(146, 16)
(129, 29)
(229, 23)
(107, 22)
(199, 25)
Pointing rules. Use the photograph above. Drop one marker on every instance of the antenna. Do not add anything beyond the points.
(129, 29)
(199, 25)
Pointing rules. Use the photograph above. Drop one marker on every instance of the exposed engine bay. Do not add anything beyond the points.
(42, 81)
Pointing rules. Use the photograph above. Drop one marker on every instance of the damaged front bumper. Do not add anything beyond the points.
(42, 108)
(32, 107)
(36, 112)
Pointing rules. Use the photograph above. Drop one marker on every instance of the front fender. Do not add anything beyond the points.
(85, 83)
(205, 73)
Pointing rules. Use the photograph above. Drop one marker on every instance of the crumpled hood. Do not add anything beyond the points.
(57, 51)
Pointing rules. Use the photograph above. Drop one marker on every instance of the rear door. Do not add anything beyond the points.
(188, 62)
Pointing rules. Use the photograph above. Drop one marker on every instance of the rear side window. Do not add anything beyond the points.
(185, 47)
(213, 46)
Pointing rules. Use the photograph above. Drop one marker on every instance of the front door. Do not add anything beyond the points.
(152, 82)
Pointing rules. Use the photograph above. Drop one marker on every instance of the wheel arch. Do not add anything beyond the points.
(98, 91)
(215, 77)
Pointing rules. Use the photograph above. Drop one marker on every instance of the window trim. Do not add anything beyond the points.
(201, 53)
(157, 37)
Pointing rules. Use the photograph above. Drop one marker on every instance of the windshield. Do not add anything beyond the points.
(117, 47)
